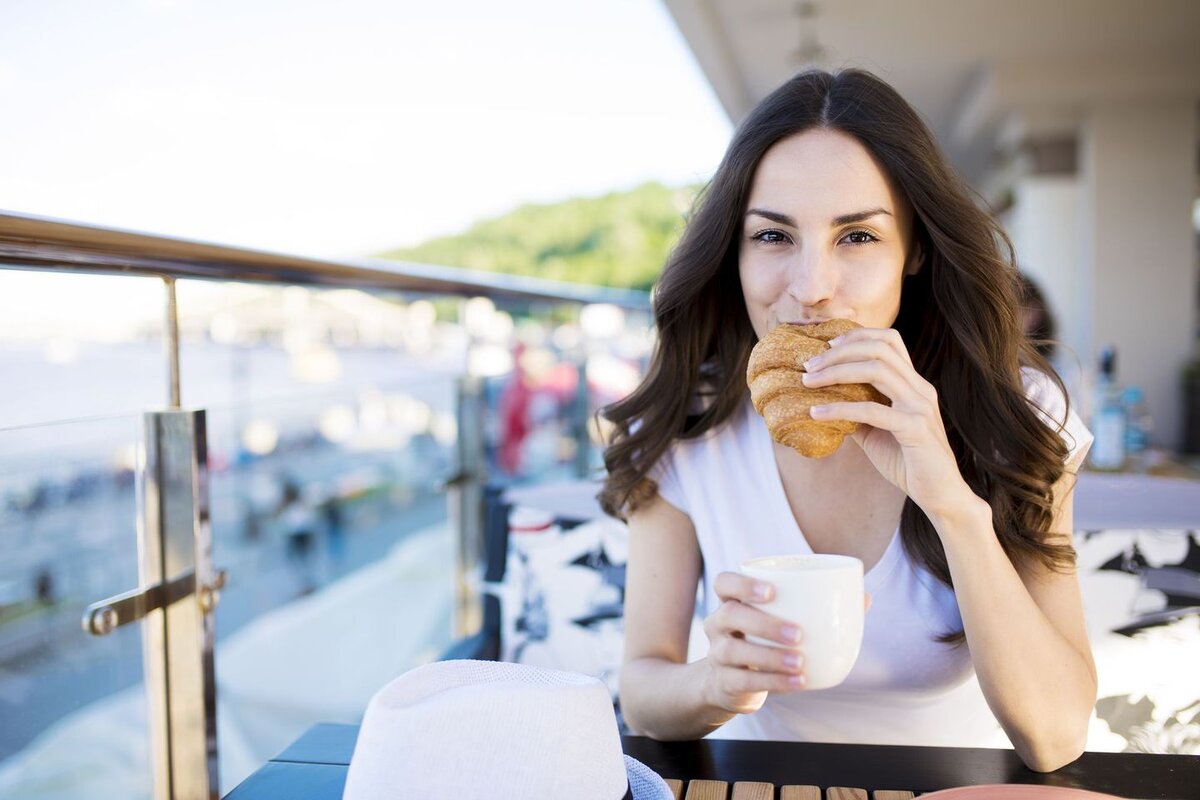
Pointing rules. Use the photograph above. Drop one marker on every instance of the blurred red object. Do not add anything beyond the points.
(514, 416)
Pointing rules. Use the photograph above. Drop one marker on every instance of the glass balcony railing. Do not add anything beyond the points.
(69, 701)
(348, 431)
(330, 520)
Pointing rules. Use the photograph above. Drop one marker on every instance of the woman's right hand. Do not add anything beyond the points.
(741, 673)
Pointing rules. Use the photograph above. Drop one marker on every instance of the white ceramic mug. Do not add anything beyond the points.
(823, 595)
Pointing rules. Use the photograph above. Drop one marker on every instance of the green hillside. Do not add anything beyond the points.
(619, 240)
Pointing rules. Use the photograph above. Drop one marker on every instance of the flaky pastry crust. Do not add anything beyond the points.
(780, 396)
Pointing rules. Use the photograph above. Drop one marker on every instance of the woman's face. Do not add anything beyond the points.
(826, 235)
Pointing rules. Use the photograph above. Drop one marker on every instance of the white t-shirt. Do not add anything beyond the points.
(906, 687)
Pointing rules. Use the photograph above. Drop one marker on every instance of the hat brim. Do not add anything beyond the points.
(645, 783)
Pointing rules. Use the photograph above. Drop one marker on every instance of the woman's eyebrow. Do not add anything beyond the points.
(844, 219)
(774, 216)
(859, 216)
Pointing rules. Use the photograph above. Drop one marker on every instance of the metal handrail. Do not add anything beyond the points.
(30, 242)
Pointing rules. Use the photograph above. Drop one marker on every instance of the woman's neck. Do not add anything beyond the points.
(840, 502)
(847, 462)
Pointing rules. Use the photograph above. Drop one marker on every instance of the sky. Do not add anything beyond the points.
(326, 129)
(340, 129)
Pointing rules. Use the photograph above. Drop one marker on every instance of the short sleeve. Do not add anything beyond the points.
(1051, 404)
(670, 487)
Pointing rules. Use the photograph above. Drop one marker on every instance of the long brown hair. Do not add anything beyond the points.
(958, 318)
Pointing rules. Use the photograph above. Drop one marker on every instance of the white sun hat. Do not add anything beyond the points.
(497, 730)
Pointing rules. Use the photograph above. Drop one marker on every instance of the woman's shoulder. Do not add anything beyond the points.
(1047, 398)
(1042, 390)
(720, 443)
(717, 456)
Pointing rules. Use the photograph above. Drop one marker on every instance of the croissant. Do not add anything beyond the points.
(783, 400)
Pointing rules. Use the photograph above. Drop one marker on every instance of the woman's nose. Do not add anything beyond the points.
(812, 278)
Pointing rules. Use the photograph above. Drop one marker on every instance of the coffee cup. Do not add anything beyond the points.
(822, 594)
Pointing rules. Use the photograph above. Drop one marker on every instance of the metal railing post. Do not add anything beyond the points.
(579, 422)
(178, 593)
(465, 498)
(175, 542)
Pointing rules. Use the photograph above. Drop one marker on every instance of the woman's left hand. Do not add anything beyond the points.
(907, 441)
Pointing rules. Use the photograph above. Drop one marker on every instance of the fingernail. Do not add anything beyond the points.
(818, 411)
(836, 340)
(805, 377)
(813, 363)
(761, 591)
(791, 634)
(796, 680)
(791, 661)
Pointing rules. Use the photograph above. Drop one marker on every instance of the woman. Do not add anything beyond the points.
(1037, 320)
(833, 201)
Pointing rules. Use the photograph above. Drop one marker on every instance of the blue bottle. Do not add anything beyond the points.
(1108, 417)
(1137, 427)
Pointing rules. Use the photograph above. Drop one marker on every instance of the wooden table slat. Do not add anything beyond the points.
(707, 790)
(891, 794)
(799, 793)
(845, 793)
(753, 790)
(676, 787)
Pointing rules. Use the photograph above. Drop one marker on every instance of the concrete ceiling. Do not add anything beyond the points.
(976, 69)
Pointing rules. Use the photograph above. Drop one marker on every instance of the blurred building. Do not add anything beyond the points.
(1075, 119)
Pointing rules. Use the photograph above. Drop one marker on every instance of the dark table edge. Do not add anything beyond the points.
(1139, 775)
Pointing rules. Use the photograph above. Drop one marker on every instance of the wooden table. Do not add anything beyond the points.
(314, 768)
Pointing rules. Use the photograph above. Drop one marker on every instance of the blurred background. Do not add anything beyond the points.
(539, 139)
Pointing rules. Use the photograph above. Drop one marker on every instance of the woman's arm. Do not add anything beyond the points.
(663, 696)
(1026, 633)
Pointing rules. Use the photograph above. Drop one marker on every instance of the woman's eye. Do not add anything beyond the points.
(770, 236)
(860, 237)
